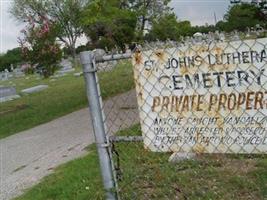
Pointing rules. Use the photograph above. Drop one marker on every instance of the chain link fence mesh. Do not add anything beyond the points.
(203, 98)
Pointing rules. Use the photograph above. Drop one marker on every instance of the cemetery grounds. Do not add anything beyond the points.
(206, 177)
(64, 95)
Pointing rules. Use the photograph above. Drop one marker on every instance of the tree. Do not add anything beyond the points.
(203, 29)
(164, 28)
(12, 57)
(39, 47)
(168, 27)
(147, 11)
(241, 16)
(108, 24)
(64, 14)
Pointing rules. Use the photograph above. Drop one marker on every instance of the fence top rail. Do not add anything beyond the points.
(100, 59)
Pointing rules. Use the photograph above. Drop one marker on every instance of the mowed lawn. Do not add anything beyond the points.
(64, 95)
(147, 175)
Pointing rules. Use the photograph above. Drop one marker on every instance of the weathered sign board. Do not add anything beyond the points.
(205, 98)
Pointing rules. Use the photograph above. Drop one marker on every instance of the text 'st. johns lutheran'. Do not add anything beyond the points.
(206, 98)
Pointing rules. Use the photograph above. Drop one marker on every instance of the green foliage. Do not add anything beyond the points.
(64, 13)
(167, 27)
(39, 46)
(82, 48)
(203, 29)
(11, 57)
(164, 28)
(108, 25)
(239, 17)
(147, 11)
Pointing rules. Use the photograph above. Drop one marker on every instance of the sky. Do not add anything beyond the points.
(198, 12)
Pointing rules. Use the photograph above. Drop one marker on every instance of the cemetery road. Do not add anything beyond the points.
(28, 156)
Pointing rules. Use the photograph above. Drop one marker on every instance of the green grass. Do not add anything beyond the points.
(78, 179)
(64, 95)
(147, 175)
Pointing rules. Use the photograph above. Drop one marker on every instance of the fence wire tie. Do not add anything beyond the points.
(117, 162)
(105, 145)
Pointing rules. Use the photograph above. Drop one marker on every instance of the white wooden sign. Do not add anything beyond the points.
(206, 98)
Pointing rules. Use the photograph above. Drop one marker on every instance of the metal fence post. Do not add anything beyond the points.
(93, 95)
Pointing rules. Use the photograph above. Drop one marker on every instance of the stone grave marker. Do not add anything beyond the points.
(66, 67)
(8, 94)
(34, 89)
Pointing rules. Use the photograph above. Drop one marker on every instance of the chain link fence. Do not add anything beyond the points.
(190, 119)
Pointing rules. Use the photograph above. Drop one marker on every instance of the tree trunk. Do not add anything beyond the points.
(73, 54)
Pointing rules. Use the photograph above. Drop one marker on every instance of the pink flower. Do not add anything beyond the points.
(25, 67)
(23, 31)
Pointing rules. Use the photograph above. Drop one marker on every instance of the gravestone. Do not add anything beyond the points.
(7, 94)
(198, 37)
(11, 67)
(17, 72)
(64, 71)
(4, 75)
(65, 64)
(34, 89)
(99, 52)
(78, 74)
(58, 74)
(66, 67)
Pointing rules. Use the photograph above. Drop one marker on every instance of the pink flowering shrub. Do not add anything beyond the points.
(27, 68)
(39, 46)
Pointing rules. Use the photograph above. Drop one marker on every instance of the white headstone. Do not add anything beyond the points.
(7, 94)
(34, 89)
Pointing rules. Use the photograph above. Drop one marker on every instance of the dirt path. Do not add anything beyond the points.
(28, 156)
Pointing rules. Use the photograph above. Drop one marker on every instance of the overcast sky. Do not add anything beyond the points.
(198, 12)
